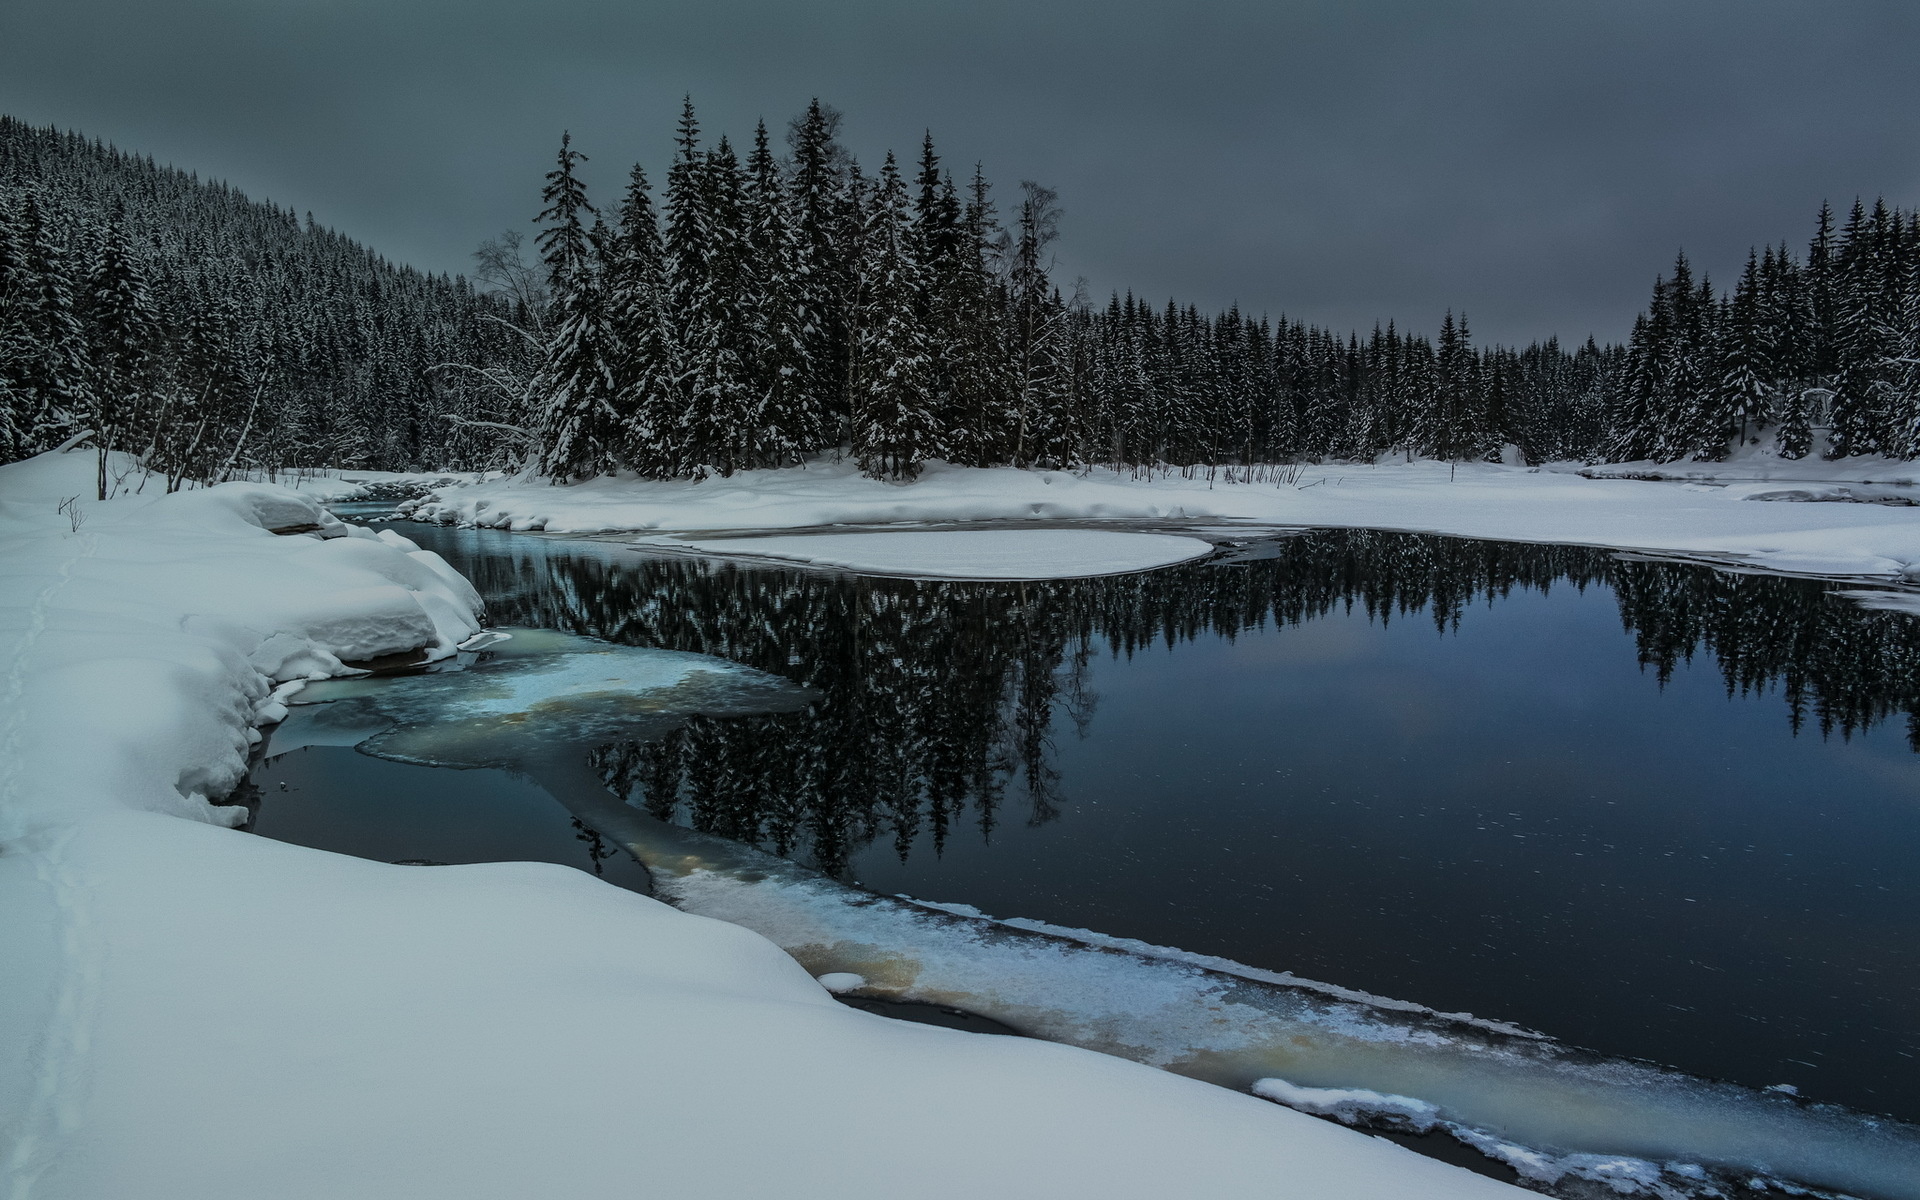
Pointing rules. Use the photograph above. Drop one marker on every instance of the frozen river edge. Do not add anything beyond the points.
(154, 983)
(190, 1010)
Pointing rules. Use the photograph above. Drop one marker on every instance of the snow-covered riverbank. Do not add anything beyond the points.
(190, 1011)
(1736, 512)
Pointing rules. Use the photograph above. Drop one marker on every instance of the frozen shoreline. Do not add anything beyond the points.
(1757, 524)
(190, 1011)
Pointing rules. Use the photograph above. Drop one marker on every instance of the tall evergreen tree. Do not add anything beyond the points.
(577, 388)
(894, 429)
(647, 372)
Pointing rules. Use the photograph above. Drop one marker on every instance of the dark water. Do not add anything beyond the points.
(1645, 807)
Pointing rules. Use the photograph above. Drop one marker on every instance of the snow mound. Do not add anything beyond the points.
(143, 640)
(963, 554)
(1351, 1106)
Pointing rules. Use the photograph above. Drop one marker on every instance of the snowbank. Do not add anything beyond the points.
(190, 1011)
(968, 554)
(1730, 522)
(145, 635)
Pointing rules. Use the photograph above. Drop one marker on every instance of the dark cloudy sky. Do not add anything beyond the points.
(1534, 163)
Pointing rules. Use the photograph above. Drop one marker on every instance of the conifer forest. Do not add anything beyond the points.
(777, 300)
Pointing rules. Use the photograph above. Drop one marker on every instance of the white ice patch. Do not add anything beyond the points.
(963, 554)
(842, 981)
(1623, 1175)
(539, 694)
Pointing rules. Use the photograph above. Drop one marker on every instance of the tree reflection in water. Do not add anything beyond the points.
(939, 700)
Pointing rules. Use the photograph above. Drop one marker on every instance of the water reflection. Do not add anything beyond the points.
(939, 703)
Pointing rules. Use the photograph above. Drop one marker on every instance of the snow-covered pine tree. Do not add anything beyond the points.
(53, 378)
(940, 246)
(124, 333)
(1045, 430)
(646, 372)
(1454, 432)
(1738, 395)
(819, 175)
(893, 417)
(791, 424)
(1421, 398)
(16, 344)
(579, 424)
(981, 403)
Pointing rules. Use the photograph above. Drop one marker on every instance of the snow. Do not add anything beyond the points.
(1710, 518)
(842, 981)
(192, 1011)
(1351, 1106)
(963, 554)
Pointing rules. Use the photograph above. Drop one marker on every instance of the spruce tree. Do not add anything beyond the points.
(646, 373)
(577, 386)
(819, 178)
(893, 420)
(124, 333)
(779, 318)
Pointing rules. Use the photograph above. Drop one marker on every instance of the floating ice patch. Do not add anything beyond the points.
(527, 699)
(962, 554)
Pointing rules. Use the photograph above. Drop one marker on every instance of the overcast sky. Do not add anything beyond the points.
(1532, 163)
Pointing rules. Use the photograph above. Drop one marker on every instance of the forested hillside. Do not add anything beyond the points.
(785, 302)
(212, 333)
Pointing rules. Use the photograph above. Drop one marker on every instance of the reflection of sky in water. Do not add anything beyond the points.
(536, 695)
(1515, 820)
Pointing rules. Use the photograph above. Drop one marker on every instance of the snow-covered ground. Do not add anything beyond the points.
(190, 1011)
(1750, 523)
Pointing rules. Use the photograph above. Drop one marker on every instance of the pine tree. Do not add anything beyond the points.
(779, 319)
(1739, 393)
(893, 419)
(124, 334)
(577, 386)
(53, 379)
(725, 416)
(1045, 431)
(646, 374)
(818, 191)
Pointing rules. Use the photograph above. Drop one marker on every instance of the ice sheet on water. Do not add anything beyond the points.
(1583, 1124)
(526, 697)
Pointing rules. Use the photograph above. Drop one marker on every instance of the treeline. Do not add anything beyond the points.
(210, 334)
(938, 703)
(782, 303)
(780, 307)
(1831, 342)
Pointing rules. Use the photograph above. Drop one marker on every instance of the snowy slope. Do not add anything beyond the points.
(190, 1011)
(1749, 522)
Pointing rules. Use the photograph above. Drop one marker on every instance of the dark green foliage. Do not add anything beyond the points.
(779, 309)
(213, 334)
